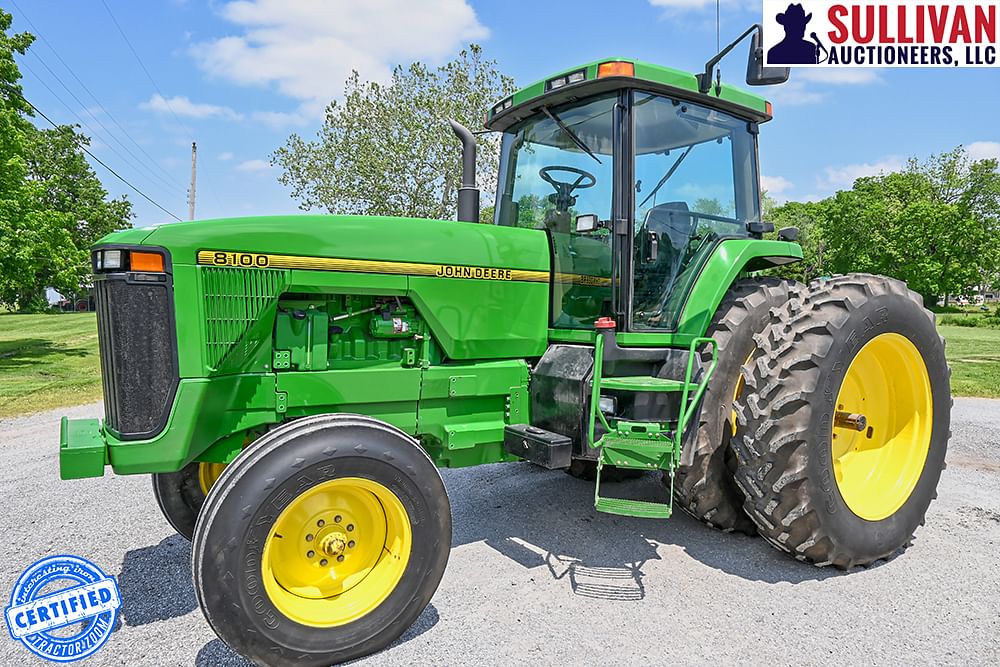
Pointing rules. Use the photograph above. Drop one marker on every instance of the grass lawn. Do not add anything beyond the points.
(51, 361)
(48, 361)
(974, 356)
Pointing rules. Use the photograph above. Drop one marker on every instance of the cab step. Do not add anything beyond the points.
(641, 445)
(641, 509)
(642, 383)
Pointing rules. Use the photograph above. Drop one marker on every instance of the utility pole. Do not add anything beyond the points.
(194, 171)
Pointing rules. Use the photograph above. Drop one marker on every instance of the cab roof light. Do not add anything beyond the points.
(768, 109)
(503, 105)
(565, 80)
(615, 68)
(150, 262)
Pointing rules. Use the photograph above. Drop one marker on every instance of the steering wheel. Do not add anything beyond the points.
(585, 180)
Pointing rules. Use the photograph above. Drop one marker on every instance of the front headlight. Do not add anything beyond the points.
(112, 259)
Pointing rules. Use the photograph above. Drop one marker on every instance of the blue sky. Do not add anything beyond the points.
(239, 77)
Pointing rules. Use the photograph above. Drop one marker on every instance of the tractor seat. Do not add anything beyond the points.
(673, 224)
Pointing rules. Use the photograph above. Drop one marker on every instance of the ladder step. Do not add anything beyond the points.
(642, 383)
(636, 508)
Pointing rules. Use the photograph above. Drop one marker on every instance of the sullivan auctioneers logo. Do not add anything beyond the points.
(904, 33)
(63, 608)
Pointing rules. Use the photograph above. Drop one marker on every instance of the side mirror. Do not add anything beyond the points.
(586, 223)
(757, 74)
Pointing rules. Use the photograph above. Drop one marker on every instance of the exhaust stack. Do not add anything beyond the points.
(468, 194)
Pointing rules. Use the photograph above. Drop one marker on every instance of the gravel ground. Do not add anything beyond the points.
(536, 576)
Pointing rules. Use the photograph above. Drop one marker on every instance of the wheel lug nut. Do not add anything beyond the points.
(351, 544)
(350, 527)
(340, 558)
(310, 554)
(321, 523)
(337, 519)
(323, 562)
(309, 537)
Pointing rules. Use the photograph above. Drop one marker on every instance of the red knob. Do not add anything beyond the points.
(605, 323)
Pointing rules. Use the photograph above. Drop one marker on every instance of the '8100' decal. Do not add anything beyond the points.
(236, 259)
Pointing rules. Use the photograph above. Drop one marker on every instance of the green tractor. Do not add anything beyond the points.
(293, 384)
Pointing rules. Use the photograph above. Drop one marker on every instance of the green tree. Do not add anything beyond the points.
(934, 224)
(52, 206)
(804, 217)
(387, 149)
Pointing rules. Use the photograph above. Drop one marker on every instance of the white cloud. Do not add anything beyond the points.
(794, 93)
(308, 48)
(281, 119)
(801, 86)
(775, 185)
(984, 150)
(254, 165)
(851, 76)
(182, 106)
(844, 176)
(225, 156)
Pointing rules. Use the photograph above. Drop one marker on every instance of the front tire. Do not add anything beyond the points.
(322, 542)
(181, 494)
(844, 422)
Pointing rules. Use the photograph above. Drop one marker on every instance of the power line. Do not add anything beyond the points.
(149, 76)
(81, 121)
(103, 164)
(138, 162)
(93, 97)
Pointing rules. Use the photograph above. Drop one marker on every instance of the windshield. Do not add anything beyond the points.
(695, 183)
(554, 167)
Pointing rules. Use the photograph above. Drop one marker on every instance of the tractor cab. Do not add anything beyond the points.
(640, 176)
(638, 182)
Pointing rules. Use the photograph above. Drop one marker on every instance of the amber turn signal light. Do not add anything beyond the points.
(615, 69)
(146, 261)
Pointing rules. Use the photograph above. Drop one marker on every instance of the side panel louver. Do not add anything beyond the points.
(234, 300)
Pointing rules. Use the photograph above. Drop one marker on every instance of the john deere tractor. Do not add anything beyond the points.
(293, 384)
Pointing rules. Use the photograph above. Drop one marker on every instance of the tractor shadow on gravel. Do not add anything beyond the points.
(155, 582)
(215, 653)
(542, 518)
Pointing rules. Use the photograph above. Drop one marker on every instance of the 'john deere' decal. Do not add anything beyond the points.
(250, 260)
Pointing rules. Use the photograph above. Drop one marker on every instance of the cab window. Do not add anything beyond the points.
(695, 183)
(557, 168)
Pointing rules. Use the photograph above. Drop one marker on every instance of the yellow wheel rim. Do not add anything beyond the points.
(877, 467)
(739, 390)
(336, 552)
(208, 473)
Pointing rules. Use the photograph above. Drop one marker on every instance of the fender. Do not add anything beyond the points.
(730, 258)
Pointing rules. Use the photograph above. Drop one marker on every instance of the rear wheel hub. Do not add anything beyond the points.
(882, 428)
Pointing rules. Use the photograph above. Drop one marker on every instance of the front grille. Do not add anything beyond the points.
(138, 343)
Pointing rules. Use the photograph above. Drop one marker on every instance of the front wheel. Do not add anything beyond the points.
(181, 494)
(322, 543)
(844, 421)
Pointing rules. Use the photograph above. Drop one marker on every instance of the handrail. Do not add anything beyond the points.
(687, 408)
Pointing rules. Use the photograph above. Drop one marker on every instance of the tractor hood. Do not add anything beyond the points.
(369, 239)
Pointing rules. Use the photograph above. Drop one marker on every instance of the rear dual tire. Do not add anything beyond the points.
(705, 488)
(816, 486)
